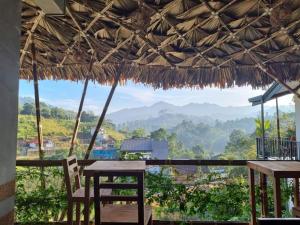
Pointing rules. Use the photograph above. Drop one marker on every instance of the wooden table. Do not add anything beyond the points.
(276, 170)
(109, 167)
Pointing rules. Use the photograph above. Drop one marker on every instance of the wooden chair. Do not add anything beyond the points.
(121, 214)
(75, 193)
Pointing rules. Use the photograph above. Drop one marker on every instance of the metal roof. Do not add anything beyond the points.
(276, 90)
(158, 149)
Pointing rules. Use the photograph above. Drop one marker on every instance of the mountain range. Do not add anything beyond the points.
(205, 112)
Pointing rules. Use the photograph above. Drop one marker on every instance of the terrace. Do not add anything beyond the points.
(164, 44)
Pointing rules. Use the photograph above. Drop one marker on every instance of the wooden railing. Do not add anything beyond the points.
(189, 162)
(274, 148)
(58, 163)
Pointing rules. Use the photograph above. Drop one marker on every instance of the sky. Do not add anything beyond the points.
(66, 94)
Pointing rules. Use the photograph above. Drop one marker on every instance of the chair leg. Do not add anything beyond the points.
(70, 213)
(77, 213)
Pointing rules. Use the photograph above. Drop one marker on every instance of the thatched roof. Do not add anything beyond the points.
(166, 43)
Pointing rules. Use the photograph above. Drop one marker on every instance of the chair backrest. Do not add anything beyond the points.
(139, 186)
(72, 176)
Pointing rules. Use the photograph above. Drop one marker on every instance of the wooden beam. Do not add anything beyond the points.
(263, 129)
(101, 119)
(150, 162)
(37, 110)
(78, 116)
(37, 101)
(28, 39)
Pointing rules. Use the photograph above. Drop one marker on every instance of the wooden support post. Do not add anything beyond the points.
(102, 116)
(37, 101)
(78, 116)
(278, 120)
(263, 129)
(278, 129)
(37, 110)
(252, 196)
(277, 197)
(296, 192)
(263, 195)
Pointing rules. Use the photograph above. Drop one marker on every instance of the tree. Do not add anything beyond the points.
(239, 146)
(28, 109)
(258, 124)
(46, 112)
(88, 116)
(160, 134)
(138, 133)
(58, 113)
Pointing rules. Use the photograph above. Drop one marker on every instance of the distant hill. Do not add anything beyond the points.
(165, 120)
(193, 111)
(211, 137)
(23, 100)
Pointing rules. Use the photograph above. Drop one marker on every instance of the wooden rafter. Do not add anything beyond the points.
(29, 37)
(171, 58)
(84, 32)
(253, 57)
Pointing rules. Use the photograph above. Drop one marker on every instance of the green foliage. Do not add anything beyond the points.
(160, 134)
(259, 127)
(35, 203)
(28, 109)
(138, 133)
(209, 197)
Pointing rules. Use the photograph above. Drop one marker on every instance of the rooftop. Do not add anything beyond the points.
(180, 43)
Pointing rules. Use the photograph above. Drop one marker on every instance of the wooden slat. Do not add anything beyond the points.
(119, 198)
(118, 186)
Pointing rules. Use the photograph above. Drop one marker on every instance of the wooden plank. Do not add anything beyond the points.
(115, 168)
(56, 163)
(287, 169)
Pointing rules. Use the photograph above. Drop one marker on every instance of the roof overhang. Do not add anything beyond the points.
(169, 43)
(275, 91)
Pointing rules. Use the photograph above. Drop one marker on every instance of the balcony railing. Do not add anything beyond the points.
(274, 148)
(201, 199)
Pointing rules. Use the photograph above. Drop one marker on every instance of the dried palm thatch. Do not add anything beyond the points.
(166, 43)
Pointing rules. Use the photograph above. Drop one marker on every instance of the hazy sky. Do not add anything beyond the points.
(67, 94)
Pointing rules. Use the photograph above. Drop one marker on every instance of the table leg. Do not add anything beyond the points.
(296, 192)
(263, 195)
(252, 196)
(87, 201)
(277, 197)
